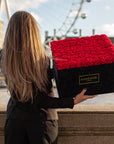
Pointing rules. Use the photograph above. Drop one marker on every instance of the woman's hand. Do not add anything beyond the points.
(81, 97)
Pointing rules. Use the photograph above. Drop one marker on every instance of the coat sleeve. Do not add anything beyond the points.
(46, 101)
(52, 102)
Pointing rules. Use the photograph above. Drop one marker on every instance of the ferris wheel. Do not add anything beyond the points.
(68, 25)
(6, 8)
(73, 15)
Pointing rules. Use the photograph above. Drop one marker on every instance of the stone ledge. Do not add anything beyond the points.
(89, 108)
(3, 108)
(78, 108)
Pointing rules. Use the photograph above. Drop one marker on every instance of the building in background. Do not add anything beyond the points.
(1, 33)
(48, 38)
(2, 79)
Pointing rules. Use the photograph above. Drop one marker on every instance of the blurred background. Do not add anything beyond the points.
(61, 15)
(59, 19)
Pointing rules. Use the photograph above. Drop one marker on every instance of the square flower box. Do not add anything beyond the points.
(86, 62)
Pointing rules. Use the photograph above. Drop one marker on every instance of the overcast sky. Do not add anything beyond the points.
(50, 14)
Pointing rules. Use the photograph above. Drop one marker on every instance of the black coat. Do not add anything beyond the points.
(24, 121)
(43, 103)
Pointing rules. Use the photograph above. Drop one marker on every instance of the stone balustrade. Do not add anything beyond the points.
(84, 124)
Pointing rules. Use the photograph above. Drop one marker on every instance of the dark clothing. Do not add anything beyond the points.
(32, 123)
(23, 128)
(43, 102)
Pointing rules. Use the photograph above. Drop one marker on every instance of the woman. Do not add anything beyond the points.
(25, 66)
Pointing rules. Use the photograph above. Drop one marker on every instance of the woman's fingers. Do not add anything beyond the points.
(83, 91)
(89, 96)
(81, 97)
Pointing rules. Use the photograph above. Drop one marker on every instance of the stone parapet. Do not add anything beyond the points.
(84, 124)
(87, 124)
(2, 122)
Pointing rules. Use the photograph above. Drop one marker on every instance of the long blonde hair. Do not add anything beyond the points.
(24, 59)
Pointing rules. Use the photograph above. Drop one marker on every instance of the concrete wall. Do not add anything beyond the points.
(2, 122)
(85, 124)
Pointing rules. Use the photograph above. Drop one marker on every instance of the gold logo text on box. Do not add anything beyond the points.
(89, 79)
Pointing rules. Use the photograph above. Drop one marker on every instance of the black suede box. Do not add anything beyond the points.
(96, 79)
(86, 62)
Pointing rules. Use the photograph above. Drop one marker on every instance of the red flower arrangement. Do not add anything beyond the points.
(82, 52)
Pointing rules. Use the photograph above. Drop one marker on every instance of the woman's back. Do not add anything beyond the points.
(25, 66)
(24, 59)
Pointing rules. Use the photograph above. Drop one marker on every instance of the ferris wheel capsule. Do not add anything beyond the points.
(75, 31)
(83, 15)
(88, 0)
